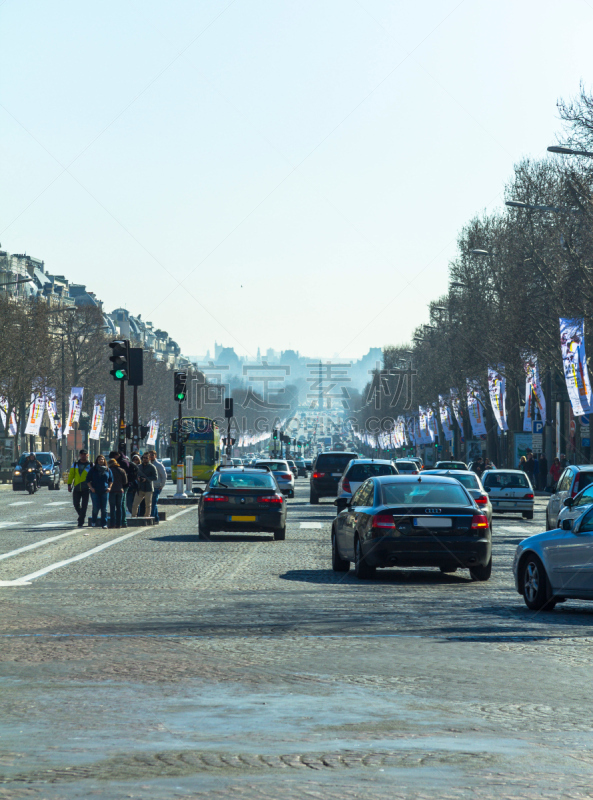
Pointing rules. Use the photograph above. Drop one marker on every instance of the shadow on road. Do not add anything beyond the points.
(216, 537)
(383, 576)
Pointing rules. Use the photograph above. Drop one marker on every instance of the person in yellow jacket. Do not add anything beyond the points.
(78, 485)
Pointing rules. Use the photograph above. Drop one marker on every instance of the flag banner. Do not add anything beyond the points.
(11, 430)
(475, 409)
(534, 394)
(35, 416)
(576, 374)
(74, 408)
(52, 412)
(423, 432)
(153, 432)
(98, 416)
(445, 415)
(497, 389)
(433, 426)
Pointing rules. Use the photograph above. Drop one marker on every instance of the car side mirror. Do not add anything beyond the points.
(341, 503)
(569, 502)
(566, 524)
(58, 463)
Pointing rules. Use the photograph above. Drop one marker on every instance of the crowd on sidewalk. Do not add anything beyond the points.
(542, 477)
(127, 486)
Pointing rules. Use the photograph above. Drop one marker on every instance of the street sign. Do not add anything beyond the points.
(584, 420)
(537, 426)
(538, 443)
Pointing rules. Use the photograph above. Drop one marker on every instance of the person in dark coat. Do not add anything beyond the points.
(543, 471)
(99, 480)
(147, 477)
(116, 495)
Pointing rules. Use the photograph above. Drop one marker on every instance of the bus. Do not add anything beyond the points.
(201, 439)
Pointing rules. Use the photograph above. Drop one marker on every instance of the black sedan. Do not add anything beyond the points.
(242, 499)
(410, 521)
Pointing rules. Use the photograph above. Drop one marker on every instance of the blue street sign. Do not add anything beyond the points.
(537, 426)
(584, 420)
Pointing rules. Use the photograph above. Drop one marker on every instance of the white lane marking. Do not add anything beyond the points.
(8, 524)
(311, 525)
(26, 579)
(58, 503)
(513, 528)
(54, 524)
(22, 503)
(37, 544)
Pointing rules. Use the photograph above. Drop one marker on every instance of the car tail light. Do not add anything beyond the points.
(527, 497)
(384, 521)
(215, 498)
(482, 500)
(275, 498)
(346, 485)
(286, 476)
(318, 474)
(479, 522)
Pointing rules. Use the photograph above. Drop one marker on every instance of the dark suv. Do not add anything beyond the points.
(50, 471)
(326, 472)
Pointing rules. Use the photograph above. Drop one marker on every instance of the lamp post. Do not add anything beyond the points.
(62, 334)
(568, 151)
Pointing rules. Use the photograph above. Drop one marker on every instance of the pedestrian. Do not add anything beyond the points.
(522, 463)
(77, 485)
(543, 471)
(478, 466)
(529, 466)
(130, 470)
(116, 495)
(99, 479)
(555, 472)
(147, 476)
(159, 485)
(132, 481)
(563, 461)
(488, 464)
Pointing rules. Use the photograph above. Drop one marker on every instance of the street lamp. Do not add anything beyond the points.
(458, 285)
(568, 151)
(477, 251)
(62, 334)
(536, 207)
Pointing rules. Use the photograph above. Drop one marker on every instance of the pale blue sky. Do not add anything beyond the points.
(284, 174)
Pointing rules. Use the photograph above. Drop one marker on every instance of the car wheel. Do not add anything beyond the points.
(313, 498)
(535, 585)
(58, 486)
(15, 488)
(528, 515)
(361, 569)
(339, 564)
(203, 531)
(479, 573)
(280, 534)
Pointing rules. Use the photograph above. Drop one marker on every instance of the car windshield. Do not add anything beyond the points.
(449, 465)
(411, 494)
(275, 466)
(505, 480)
(333, 462)
(242, 480)
(406, 465)
(586, 498)
(43, 458)
(585, 479)
(360, 472)
(166, 462)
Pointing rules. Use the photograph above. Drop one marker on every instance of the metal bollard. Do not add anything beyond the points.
(180, 492)
(189, 475)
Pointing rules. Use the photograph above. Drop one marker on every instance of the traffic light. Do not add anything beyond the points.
(275, 434)
(135, 373)
(228, 407)
(180, 386)
(120, 359)
(144, 431)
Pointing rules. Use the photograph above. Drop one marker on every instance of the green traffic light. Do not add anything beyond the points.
(180, 396)
(119, 374)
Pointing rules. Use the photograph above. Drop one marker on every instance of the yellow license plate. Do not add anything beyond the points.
(243, 519)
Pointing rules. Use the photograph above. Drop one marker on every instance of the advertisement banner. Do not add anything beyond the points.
(98, 416)
(426, 434)
(534, 394)
(445, 414)
(52, 412)
(432, 423)
(35, 415)
(576, 374)
(456, 406)
(11, 430)
(498, 395)
(153, 431)
(475, 409)
(74, 408)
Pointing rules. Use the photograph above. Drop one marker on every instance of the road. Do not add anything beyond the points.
(166, 667)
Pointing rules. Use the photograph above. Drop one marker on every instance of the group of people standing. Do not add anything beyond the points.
(540, 475)
(131, 485)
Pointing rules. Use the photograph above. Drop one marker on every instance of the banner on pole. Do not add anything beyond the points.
(52, 412)
(98, 416)
(153, 431)
(35, 415)
(574, 362)
(534, 394)
(497, 390)
(475, 408)
(11, 430)
(74, 408)
(445, 415)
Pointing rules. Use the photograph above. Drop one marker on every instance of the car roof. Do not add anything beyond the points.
(373, 460)
(504, 469)
(241, 469)
(422, 478)
(338, 453)
(271, 460)
(444, 471)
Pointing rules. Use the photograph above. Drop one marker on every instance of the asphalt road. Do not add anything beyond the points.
(162, 666)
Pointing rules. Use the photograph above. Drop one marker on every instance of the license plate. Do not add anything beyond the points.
(433, 522)
(235, 518)
(336, 474)
(507, 505)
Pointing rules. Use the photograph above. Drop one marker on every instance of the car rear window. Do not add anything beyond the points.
(469, 481)
(505, 480)
(275, 466)
(585, 478)
(449, 465)
(410, 494)
(407, 465)
(360, 472)
(333, 462)
(242, 480)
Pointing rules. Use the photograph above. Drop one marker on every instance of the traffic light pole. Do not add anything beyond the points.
(122, 419)
(135, 422)
(179, 469)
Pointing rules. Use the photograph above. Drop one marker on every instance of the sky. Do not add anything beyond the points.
(286, 174)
